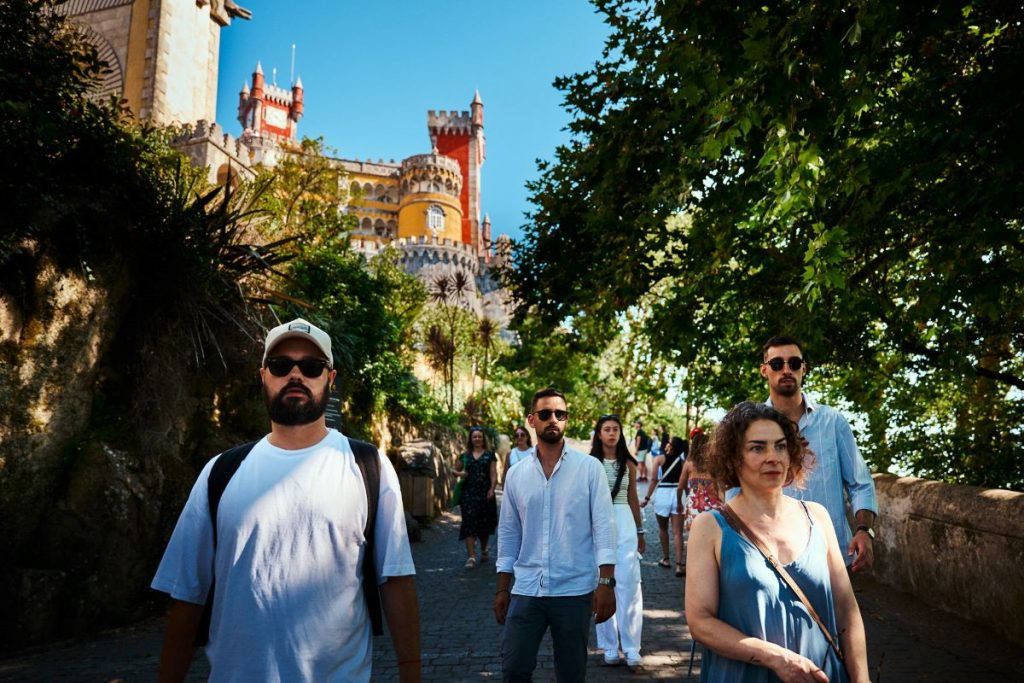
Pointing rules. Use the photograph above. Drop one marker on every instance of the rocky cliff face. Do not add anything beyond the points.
(102, 428)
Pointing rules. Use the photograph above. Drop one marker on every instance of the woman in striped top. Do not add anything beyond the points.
(623, 629)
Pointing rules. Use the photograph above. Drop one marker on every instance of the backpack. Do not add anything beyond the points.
(368, 461)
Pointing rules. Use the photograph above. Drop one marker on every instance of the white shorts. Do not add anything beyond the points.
(665, 501)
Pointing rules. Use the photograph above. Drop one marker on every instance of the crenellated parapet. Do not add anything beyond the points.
(431, 164)
(449, 122)
(207, 145)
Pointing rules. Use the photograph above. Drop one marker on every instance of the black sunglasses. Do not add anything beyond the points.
(280, 366)
(546, 414)
(795, 363)
(609, 416)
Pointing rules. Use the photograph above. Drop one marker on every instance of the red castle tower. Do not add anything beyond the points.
(269, 110)
(460, 135)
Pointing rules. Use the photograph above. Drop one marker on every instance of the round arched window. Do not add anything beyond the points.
(435, 219)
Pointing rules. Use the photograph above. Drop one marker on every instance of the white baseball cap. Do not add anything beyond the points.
(300, 329)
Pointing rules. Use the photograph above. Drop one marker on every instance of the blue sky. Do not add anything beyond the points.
(371, 70)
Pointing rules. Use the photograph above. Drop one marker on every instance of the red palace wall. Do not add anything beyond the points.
(457, 147)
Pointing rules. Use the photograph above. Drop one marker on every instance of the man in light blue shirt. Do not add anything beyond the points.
(839, 467)
(557, 538)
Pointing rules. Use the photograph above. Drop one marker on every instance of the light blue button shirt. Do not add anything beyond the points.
(838, 468)
(554, 533)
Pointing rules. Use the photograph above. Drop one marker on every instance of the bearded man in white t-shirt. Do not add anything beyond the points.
(287, 553)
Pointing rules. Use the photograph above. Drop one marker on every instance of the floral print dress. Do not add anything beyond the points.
(479, 515)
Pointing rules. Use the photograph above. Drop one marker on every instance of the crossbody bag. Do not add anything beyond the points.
(740, 527)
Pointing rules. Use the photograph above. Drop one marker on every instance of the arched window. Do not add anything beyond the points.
(366, 225)
(435, 219)
(379, 228)
(353, 190)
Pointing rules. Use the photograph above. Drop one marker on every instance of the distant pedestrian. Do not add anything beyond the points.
(746, 561)
(502, 450)
(282, 550)
(478, 469)
(662, 490)
(664, 438)
(696, 491)
(624, 627)
(642, 448)
(556, 537)
(523, 447)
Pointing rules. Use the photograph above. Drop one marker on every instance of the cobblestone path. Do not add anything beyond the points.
(907, 641)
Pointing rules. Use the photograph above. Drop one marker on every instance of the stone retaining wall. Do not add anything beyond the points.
(960, 548)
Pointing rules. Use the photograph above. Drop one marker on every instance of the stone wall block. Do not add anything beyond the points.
(960, 548)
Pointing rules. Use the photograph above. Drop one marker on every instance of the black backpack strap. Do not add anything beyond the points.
(220, 474)
(368, 461)
(618, 479)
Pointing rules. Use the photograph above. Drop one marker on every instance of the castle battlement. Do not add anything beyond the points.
(449, 122)
(431, 161)
(277, 94)
(379, 168)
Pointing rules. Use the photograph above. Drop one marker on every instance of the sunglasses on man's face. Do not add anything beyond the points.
(545, 415)
(280, 366)
(794, 363)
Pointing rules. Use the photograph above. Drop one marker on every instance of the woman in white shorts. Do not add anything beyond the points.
(666, 470)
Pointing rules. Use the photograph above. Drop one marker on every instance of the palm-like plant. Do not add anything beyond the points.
(487, 332)
(449, 291)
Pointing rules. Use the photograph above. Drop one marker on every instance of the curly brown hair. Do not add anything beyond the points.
(726, 450)
(699, 451)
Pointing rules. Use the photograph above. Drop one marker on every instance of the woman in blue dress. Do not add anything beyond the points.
(753, 626)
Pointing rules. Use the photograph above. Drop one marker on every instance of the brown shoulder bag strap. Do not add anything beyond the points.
(740, 527)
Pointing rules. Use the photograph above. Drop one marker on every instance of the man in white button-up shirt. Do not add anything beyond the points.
(557, 537)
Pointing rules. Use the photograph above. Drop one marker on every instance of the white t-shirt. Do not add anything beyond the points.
(289, 601)
(517, 455)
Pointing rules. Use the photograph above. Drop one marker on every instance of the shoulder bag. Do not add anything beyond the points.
(740, 527)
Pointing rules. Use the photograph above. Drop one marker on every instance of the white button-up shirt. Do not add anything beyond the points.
(554, 533)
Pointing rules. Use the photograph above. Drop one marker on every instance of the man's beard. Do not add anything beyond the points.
(788, 389)
(553, 436)
(292, 411)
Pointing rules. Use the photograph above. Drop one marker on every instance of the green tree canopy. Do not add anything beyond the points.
(848, 174)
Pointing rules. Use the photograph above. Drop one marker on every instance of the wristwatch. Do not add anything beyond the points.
(866, 529)
(609, 581)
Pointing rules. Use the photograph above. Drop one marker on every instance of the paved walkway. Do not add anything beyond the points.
(907, 641)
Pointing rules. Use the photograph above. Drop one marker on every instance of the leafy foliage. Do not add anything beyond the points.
(845, 174)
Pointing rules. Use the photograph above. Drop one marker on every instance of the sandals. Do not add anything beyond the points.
(471, 563)
(663, 562)
(680, 569)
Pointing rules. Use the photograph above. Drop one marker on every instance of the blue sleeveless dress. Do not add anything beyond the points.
(754, 599)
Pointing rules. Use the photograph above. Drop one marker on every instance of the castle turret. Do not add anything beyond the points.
(243, 103)
(486, 251)
(296, 110)
(429, 204)
(476, 109)
(268, 110)
(460, 135)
